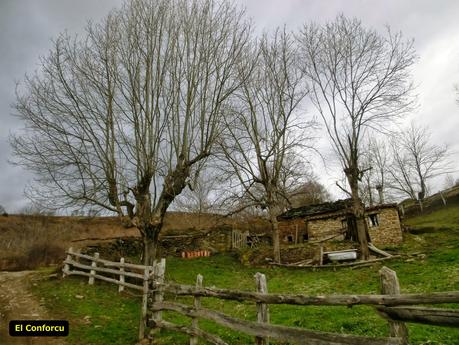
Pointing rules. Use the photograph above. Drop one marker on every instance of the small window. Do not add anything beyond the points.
(305, 237)
(373, 220)
(344, 223)
(290, 239)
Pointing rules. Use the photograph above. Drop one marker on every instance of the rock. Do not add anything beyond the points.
(79, 296)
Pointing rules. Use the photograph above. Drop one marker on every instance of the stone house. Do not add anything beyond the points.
(330, 221)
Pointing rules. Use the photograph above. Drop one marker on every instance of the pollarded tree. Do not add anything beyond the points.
(121, 117)
(264, 134)
(416, 161)
(360, 81)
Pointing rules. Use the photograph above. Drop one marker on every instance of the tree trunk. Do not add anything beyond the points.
(151, 250)
(358, 209)
(275, 235)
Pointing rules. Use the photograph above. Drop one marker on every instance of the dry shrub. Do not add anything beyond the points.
(37, 256)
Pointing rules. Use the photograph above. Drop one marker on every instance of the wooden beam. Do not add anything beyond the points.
(213, 339)
(429, 316)
(102, 269)
(282, 333)
(108, 263)
(108, 280)
(378, 251)
(271, 298)
(348, 264)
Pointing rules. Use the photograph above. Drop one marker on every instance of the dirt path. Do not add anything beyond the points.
(16, 303)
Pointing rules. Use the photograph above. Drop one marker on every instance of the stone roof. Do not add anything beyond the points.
(312, 211)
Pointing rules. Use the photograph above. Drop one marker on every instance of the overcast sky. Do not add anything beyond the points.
(27, 26)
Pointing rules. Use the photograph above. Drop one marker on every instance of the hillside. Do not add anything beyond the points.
(30, 241)
(429, 263)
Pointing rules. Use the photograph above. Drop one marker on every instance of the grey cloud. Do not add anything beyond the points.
(26, 27)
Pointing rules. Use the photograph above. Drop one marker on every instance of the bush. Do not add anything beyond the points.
(38, 255)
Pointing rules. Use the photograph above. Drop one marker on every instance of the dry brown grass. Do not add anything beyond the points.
(28, 241)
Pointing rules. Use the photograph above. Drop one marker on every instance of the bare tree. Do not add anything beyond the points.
(450, 182)
(416, 162)
(359, 80)
(309, 193)
(263, 131)
(199, 196)
(122, 117)
(376, 159)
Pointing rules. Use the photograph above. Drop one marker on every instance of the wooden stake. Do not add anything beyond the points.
(390, 286)
(157, 295)
(197, 305)
(121, 287)
(262, 308)
(66, 269)
(143, 315)
(93, 272)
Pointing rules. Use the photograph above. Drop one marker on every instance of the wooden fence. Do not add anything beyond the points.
(116, 273)
(390, 304)
(239, 239)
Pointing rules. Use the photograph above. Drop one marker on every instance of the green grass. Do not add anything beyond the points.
(445, 218)
(114, 317)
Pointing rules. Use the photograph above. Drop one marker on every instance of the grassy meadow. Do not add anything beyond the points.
(100, 315)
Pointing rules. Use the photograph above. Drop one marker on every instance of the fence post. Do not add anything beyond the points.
(262, 308)
(121, 287)
(157, 295)
(443, 198)
(143, 316)
(197, 305)
(93, 272)
(66, 269)
(391, 286)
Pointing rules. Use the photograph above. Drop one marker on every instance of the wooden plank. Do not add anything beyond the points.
(197, 305)
(213, 339)
(106, 279)
(378, 251)
(282, 333)
(108, 263)
(390, 285)
(93, 271)
(429, 316)
(102, 269)
(334, 267)
(271, 298)
(262, 308)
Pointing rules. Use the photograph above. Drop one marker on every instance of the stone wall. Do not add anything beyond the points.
(216, 241)
(319, 229)
(389, 229)
(292, 230)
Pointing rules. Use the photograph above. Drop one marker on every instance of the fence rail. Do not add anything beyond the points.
(336, 300)
(97, 267)
(396, 308)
